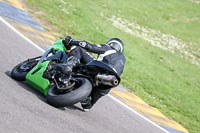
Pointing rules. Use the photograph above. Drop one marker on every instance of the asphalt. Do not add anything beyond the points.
(22, 109)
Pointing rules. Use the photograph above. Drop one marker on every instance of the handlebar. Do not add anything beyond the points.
(45, 55)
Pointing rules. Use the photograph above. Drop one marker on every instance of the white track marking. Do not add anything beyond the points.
(132, 110)
(15, 30)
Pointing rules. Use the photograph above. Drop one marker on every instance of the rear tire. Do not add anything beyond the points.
(72, 97)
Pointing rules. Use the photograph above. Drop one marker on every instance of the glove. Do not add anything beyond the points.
(67, 41)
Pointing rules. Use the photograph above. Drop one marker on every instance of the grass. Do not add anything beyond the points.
(163, 79)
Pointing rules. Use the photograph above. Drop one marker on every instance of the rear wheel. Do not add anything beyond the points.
(80, 90)
(20, 71)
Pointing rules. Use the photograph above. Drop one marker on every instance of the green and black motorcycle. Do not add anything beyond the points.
(63, 89)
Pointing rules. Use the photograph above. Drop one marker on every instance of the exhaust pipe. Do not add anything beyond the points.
(107, 80)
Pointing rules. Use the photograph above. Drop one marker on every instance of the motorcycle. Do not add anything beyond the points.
(63, 89)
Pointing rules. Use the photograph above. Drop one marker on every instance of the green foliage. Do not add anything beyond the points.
(163, 79)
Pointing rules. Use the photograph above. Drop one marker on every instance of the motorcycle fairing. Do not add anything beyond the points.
(35, 76)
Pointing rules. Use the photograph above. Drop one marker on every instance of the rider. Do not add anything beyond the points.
(109, 53)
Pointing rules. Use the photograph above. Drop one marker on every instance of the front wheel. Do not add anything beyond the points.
(80, 91)
(20, 71)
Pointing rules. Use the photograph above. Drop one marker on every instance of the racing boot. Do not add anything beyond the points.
(67, 68)
(86, 104)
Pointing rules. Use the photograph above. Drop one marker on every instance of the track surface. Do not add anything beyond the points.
(22, 109)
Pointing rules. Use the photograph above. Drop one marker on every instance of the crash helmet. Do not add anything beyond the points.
(116, 44)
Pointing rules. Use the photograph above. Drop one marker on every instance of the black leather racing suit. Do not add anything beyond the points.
(106, 54)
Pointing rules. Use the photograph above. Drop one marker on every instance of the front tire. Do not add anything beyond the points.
(20, 71)
(17, 74)
(72, 97)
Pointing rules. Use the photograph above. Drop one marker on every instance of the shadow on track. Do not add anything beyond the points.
(40, 96)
